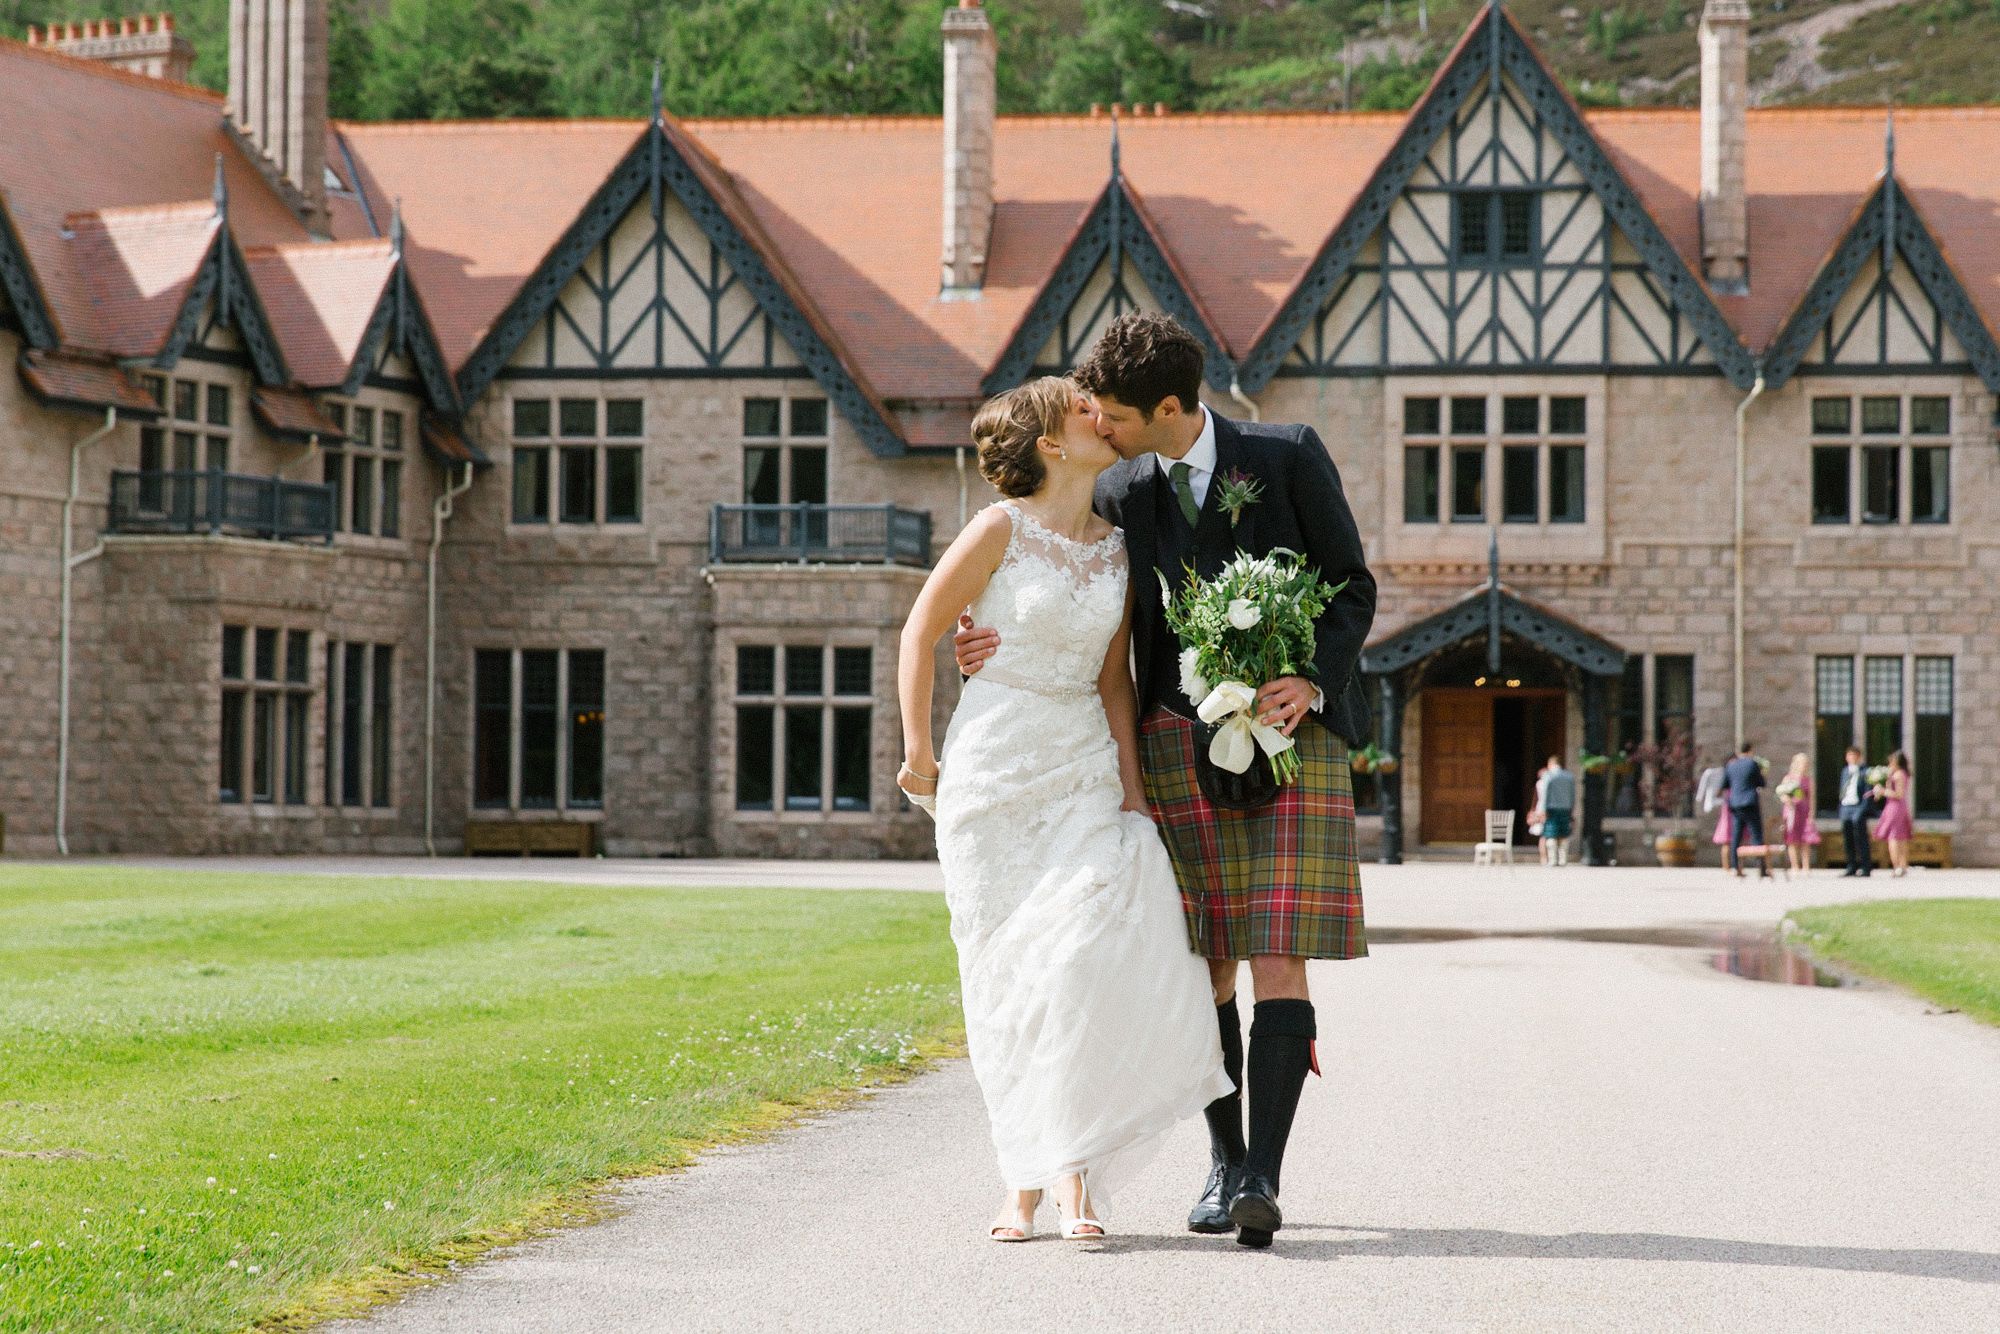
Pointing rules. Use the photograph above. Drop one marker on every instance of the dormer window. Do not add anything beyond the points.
(1495, 227)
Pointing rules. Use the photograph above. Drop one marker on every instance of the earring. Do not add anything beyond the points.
(1063, 450)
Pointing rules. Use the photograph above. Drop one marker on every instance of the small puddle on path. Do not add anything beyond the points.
(1740, 952)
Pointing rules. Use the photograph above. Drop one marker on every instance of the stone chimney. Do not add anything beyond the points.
(970, 62)
(1725, 99)
(145, 45)
(277, 97)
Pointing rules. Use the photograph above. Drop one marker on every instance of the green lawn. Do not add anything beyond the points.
(1945, 950)
(228, 1098)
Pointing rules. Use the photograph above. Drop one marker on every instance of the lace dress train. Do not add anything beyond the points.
(1090, 1024)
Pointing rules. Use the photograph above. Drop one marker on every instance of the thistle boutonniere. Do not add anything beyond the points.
(1239, 491)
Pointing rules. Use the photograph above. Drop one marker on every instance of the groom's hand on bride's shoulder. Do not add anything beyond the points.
(973, 644)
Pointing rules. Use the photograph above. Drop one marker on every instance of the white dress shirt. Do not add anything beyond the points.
(1200, 460)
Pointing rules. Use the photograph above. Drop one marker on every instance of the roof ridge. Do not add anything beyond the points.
(633, 123)
(119, 212)
(83, 65)
(334, 246)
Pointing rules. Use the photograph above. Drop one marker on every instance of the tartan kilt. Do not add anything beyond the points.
(1283, 879)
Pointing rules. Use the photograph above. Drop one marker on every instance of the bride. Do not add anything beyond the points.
(1090, 1023)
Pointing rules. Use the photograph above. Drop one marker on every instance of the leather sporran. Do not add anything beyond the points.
(1253, 789)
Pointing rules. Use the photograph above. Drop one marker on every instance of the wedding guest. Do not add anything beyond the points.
(1854, 815)
(1708, 794)
(1893, 825)
(1795, 790)
(1555, 793)
(1742, 778)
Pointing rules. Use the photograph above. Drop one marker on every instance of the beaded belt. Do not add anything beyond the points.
(1021, 681)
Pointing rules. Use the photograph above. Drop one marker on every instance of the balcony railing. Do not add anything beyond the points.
(819, 534)
(221, 502)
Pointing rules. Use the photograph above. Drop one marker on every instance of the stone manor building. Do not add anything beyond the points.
(373, 487)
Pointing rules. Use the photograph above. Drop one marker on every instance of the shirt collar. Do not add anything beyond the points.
(1201, 456)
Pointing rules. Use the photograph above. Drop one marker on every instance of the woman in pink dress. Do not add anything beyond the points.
(1893, 825)
(1801, 830)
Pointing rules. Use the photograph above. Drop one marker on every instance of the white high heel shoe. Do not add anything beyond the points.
(1025, 1225)
(1073, 1229)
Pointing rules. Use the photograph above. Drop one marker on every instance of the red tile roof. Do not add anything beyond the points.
(74, 380)
(131, 269)
(319, 299)
(293, 414)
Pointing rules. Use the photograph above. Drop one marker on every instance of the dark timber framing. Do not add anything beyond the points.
(1890, 226)
(1115, 229)
(654, 166)
(17, 281)
(224, 279)
(1491, 48)
(400, 326)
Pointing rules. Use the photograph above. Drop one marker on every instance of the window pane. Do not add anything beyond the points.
(1930, 416)
(218, 453)
(1881, 416)
(363, 499)
(754, 756)
(1468, 485)
(1878, 483)
(804, 789)
(851, 746)
(384, 686)
(267, 655)
(230, 781)
(232, 652)
(218, 405)
(263, 746)
(808, 475)
(364, 427)
(853, 671)
(761, 476)
(1829, 483)
(296, 705)
(531, 484)
(1520, 416)
(1474, 207)
(185, 458)
(624, 416)
(760, 416)
(354, 698)
(1882, 697)
(531, 417)
(1673, 712)
(756, 669)
(621, 485)
(1420, 484)
(1565, 483)
(392, 430)
(392, 497)
(578, 416)
(1566, 415)
(1420, 416)
(1628, 733)
(579, 484)
(1517, 224)
(298, 643)
(586, 727)
(1468, 416)
(1933, 760)
(337, 414)
(187, 401)
(492, 741)
(333, 471)
(1930, 484)
(1833, 728)
(538, 727)
(329, 792)
(1519, 489)
(809, 416)
(1832, 416)
(805, 669)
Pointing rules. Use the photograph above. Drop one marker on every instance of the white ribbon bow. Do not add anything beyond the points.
(1238, 740)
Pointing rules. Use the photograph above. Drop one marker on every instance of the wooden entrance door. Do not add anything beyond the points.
(1458, 764)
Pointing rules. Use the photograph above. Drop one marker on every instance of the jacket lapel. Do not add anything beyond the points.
(1214, 526)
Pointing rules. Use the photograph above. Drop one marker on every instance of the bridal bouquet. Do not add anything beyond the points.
(1790, 788)
(1249, 625)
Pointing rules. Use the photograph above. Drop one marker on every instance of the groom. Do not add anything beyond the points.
(1277, 885)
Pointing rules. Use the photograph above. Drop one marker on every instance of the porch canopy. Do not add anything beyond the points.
(1490, 612)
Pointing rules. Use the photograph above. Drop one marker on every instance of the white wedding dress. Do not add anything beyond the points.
(1090, 1023)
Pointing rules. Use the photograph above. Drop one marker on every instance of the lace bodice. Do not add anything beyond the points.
(1056, 604)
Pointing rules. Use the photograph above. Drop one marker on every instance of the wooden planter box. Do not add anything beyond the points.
(530, 838)
(1926, 849)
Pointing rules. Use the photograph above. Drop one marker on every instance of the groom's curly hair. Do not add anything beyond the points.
(1009, 430)
(1141, 360)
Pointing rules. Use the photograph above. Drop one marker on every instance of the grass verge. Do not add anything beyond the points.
(230, 1100)
(1945, 950)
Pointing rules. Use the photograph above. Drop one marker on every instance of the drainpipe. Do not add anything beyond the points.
(69, 563)
(1742, 410)
(1236, 392)
(440, 511)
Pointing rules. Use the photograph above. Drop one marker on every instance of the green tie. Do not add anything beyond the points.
(1190, 511)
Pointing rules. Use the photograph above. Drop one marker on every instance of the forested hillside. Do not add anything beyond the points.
(402, 59)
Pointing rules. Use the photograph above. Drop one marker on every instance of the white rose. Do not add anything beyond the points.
(1242, 614)
(1192, 685)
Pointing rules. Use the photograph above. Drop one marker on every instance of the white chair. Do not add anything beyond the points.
(1499, 840)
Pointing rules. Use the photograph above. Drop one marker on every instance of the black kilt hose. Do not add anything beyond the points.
(1283, 879)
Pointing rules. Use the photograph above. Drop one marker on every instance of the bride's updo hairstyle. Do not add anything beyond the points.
(1009, 428)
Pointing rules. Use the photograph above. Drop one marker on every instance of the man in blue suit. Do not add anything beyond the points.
(1741, 779)
(1854, 815)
